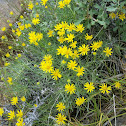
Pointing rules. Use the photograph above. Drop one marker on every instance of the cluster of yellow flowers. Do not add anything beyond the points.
(63, 3)
(46, 65)
(18, 115)
(68, 50)
(34, 38)
(8, 55)
(89, 87)
(80, 100)
(66, 33)
(121, 15)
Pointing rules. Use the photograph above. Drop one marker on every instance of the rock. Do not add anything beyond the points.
(5, 7)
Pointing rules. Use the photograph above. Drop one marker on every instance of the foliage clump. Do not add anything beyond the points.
(62, 61)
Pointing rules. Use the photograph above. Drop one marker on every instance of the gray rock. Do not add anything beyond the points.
(5, 7)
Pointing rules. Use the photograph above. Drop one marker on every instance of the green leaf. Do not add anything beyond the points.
(111, 9)
(78, 21)
(101, 22)
(97, 6)
(92, 22)
(115, 29)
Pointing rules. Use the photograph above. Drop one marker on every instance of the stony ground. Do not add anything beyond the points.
(5, 7)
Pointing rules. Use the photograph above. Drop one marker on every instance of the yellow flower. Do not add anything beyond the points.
(10, 24)
(39, 36)
(30, 5)
(99, 43)
(50, 33)
(37, 15)
(89, 87)
(63, 62)
(56, 74)
(108, 51)
(19, 55)
(122, 16)
(95, 46)
(38, 83)
(19, 23)
(7, 55)
(104, 88)
(3, 37)
(21, 5)
(14, 100)
(35, 105)
(3, 28)
(43, 2)
(70, 88)
(73, 44)
(36, 3)
(21, 17)
(60, 106)
(23, 44)
(61, 4)
(61, 32)
(2, 78)
(8, 21)
(48, 58)
(20, 122)
(13, 30)
(18, 33)
(46, 66)
(9, 47)
(88, 37)
(80, 28)
(60, 50)
(112, 15)
(19, 113)
(23, 99)
(1, 111)
(57, 27)
(9, 80)
(26, 26)
(61, 39)
(46, 6)
(6, 64)
(80, 101)
(67, 2)
(11, 13)
(61, 119)
(21, 27)
(72, 65)
(117, 85)
(29, 25)
(68, 80)
(80, 71)
(75, 54)
(35, 21)
(64, 25)
(49, 43)
(35, 65)
(32, 37)
(71, 27)
(84, 49)
(94, 53)
(11, 115)
(67, 52)
(70, 37)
